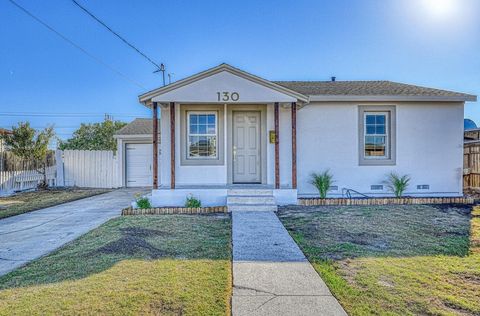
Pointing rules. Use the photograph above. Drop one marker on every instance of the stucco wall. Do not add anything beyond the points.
(429, 140)
(429, 147)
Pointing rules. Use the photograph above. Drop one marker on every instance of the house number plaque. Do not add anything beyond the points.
(228, 96)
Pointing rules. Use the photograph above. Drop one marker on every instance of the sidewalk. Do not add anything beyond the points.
(31, 235)
(271, 276)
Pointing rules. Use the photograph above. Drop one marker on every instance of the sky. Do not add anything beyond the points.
(45, 80)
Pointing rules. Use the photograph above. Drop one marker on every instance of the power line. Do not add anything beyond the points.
(160, 67)
(66, 115)
(98, 60)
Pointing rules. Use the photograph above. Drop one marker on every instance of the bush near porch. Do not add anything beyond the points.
(161, 265)
(393, 260)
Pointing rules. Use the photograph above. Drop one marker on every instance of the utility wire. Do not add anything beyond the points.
(39, 114)
(159, 67)
(98, 60)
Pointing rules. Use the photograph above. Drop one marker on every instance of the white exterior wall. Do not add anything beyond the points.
(429, 138)
(217, 174)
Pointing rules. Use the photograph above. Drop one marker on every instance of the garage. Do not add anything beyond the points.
(138, 165)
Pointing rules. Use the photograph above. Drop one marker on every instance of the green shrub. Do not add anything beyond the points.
(397, 184)
(193, 202)
(143, 202)
(322, 181)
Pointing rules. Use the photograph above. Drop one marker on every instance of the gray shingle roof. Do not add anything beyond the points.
(139, 126)
(368, 88)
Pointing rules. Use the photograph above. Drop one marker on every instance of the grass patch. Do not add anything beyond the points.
(30, 201)
(168, 265)
(393, 260)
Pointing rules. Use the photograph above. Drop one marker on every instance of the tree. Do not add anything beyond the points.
(96, 136)
(28, 144)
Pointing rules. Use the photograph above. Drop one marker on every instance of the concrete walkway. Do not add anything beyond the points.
(271, 276)
(31, 235)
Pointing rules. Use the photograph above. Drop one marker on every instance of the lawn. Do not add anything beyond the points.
(393, 260)
(161, 265)
(30, 201)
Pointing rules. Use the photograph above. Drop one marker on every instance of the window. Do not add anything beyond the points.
(202, 135)
(377, 135)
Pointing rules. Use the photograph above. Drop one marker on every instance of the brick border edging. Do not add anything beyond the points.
(173, 210)
(385, 201)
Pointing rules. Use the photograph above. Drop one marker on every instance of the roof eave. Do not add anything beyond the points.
(405, 98)
(146, 97)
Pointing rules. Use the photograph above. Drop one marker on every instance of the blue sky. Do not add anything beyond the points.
(427, 42)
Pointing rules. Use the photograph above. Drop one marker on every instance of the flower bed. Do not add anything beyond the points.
(174, 210)
(385, 201)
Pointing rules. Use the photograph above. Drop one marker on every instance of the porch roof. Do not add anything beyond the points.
(240, 79)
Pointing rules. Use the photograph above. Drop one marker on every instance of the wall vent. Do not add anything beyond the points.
(376, 187)
(333, 188)
(423, 187)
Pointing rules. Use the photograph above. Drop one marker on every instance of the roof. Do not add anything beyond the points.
(4, 131)
(306, 91)
(372, 89)
(147, 96)
(139, 126)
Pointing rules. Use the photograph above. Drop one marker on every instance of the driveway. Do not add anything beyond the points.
(31, 235)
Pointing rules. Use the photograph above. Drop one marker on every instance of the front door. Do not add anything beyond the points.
(246, 147)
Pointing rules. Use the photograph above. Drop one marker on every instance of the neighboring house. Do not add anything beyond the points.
(218, 132)
(134, 152)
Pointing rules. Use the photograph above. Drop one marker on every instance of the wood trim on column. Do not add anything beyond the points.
(155, 145)
(172, 145)
(294, 145)
(277, 147)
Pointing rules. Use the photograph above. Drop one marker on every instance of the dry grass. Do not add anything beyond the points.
(157, 265)
(30, 201)
(414, 263)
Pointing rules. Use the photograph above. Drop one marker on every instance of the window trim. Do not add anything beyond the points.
(187, 147)
(391, 135)
(184, 125)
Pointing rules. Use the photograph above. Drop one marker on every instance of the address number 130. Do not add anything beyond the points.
(227, 96)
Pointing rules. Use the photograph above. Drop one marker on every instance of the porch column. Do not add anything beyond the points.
(277, 147)
(294, 145)
(172, 145)
(155, 145)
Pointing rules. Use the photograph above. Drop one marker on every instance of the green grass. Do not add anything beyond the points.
(168, 265)
(30, 201)
(393, 260)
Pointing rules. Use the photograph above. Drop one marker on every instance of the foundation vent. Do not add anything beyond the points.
(376, 187)
(423, 187)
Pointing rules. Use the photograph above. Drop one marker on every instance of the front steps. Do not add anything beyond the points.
(239, 200)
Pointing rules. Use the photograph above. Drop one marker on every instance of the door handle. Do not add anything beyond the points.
(234, 153)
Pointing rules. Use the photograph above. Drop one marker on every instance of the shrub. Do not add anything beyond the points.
(397, 184)
(143, 202)
(193, 202)
(322, 181)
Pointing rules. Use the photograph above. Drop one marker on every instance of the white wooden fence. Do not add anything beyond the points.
(24, 179)
(87, 168)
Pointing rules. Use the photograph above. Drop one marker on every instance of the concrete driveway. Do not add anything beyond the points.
(31, 235)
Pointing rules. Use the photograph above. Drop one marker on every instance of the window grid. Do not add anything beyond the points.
(376, 135)
(202, 135)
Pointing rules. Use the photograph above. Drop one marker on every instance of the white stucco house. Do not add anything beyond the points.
(224, 131)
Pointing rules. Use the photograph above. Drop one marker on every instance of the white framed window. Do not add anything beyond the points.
(376, 134)
(202, 135)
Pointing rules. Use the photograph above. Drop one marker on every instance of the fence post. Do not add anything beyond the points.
(60, 178)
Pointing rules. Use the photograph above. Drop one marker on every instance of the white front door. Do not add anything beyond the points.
(246, 147)
(138, 165)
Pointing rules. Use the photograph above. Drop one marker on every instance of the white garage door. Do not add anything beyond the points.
(138, 161)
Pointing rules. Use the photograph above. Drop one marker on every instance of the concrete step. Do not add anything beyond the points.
(251, 200)
(249, 192)
(250, 208)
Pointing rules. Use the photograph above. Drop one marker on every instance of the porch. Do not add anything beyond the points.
(220, 132)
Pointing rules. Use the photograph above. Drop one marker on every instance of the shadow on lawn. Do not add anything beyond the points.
(125, 238)
(340, 232)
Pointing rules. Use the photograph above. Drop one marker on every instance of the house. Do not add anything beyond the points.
(225, 131)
